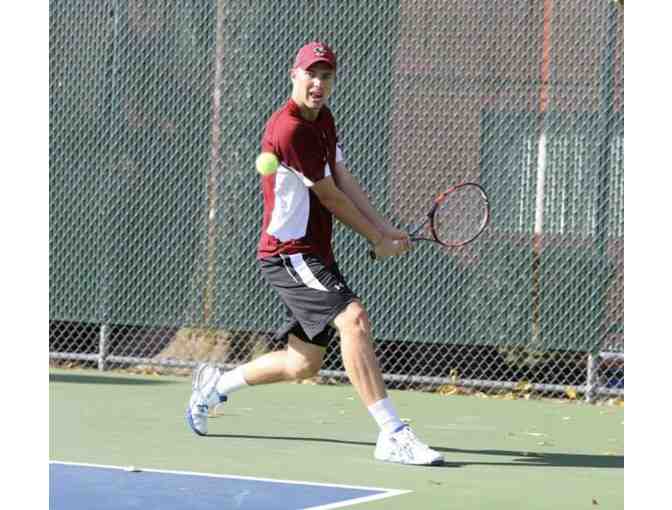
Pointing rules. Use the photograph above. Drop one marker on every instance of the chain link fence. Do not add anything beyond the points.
(156, 113)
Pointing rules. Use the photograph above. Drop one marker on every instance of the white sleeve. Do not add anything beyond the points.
(339, 153)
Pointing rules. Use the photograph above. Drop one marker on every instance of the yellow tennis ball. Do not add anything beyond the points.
(267, 163)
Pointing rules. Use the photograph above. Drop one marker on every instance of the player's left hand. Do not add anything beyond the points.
(399, 235)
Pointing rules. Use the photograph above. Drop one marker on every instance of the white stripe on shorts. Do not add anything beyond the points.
(304, 272)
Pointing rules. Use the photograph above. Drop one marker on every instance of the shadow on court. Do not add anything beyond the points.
(523, 458)
(95, 379)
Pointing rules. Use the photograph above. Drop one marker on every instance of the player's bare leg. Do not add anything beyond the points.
(300, 360)
(358, 355)
(396, 441)
(210, 386)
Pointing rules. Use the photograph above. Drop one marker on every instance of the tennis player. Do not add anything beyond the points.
(295, 253)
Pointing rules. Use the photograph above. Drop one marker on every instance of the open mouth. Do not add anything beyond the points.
(316, 96)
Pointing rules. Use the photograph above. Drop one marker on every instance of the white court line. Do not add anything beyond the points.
(351, 502)
(387, 493)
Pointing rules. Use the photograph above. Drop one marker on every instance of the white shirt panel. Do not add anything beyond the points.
(289, 219)
(339, 153)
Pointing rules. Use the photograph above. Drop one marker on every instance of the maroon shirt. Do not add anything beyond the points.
(294, 219)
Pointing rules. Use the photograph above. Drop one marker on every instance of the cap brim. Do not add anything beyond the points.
(308, 64)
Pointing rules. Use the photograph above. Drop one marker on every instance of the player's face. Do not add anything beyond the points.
(312, 87)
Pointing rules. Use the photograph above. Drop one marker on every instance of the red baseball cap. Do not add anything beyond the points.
(314, 52)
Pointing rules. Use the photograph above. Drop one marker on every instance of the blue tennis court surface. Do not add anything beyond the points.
(85, 486)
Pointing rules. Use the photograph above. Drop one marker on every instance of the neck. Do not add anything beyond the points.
(305, 112)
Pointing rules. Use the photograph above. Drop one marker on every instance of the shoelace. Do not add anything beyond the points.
(409, 443)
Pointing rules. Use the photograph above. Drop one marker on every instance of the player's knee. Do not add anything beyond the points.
(354, 319)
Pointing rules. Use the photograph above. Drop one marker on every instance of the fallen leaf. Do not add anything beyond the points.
(570, 391)
(522, 386)
(447, 389)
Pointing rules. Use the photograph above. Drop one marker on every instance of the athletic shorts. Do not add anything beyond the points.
(313, 294)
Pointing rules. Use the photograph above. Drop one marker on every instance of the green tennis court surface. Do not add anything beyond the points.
(500, 454)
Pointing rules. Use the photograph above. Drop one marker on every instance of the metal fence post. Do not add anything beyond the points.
(102, 346)
(592, 376)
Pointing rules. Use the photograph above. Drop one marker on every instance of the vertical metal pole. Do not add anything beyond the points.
(592, 376)
(214, 173)
(544, 99)
(106, 208)
(103, 345)
(606, 131)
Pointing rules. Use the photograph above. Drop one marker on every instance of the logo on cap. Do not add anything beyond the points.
(314, 52)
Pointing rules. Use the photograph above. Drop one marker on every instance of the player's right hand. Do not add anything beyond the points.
(388, 247)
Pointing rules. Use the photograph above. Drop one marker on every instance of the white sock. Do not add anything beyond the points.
(231, 381)
(386, 416)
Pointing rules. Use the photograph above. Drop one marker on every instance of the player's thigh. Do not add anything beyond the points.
(303, 358)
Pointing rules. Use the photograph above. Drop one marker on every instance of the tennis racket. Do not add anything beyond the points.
(457, 217)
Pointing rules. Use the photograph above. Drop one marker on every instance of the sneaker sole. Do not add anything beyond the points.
(190, 422)
(195, 379)
(437, 462)
(196, 383)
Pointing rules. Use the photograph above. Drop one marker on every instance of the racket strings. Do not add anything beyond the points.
(460, 216)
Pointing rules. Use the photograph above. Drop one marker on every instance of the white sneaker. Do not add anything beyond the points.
(404, 447)
(204, 395)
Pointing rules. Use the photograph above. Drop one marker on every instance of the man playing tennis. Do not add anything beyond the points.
(311, 185)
